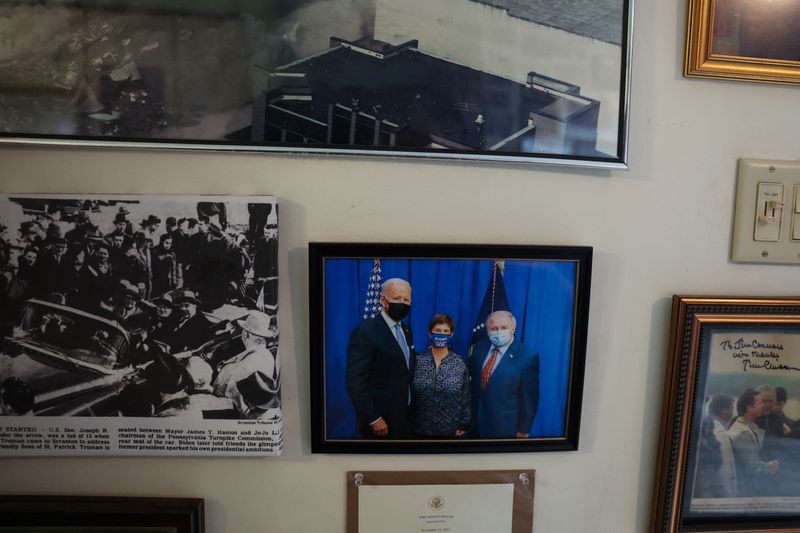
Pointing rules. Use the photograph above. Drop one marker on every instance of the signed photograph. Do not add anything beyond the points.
(119, 313)
(747, 451)
(729, 455)
(449, 79)
(446, 346)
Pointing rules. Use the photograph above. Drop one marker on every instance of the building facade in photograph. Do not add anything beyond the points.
(372, 93)
(578, 41)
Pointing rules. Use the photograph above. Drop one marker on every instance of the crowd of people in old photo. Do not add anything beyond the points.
(748, 447)
(160, 278)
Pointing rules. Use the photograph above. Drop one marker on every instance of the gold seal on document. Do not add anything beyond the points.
(436, 503)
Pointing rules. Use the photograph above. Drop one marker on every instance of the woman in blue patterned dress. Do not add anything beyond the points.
(441, 385)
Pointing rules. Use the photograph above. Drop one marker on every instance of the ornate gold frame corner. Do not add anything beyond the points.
(701, 62)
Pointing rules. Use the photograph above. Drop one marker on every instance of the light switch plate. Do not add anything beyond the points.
(766, 207)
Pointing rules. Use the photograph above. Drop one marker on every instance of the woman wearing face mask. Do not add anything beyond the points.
(441, 385)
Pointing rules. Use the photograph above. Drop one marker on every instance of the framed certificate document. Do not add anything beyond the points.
(440, 502)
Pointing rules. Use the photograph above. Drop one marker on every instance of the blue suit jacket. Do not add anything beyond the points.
(509, 402)
(377, 377)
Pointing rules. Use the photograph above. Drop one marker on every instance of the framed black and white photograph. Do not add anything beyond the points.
(100, 514)
(526, 81)
(729, 455)
(455, 348)
(139, 325)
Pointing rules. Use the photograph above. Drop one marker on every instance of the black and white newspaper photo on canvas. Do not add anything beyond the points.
(136, 325)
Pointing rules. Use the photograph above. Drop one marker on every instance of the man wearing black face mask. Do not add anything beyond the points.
(380, 365)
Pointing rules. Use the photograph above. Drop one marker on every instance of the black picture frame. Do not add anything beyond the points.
(128, 514)
(715, 469)
(543, 282)
(408, 78)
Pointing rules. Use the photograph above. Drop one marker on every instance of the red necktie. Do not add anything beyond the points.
(487, 368)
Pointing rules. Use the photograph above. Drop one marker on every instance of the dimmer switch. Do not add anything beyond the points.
(766, 224)
(769, 211)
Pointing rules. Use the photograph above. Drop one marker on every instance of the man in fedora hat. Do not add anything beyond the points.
(193, 329)
(125, 307)
(265, 266)
(165, 318)
(259, 397)
(213, 269)
(57, 271)
(119, 247)
(120, 228)
(97, 278)
(77, 235)
(181, 244)
(50, 265)
(140, 263)
(257, 336)
(92, 238)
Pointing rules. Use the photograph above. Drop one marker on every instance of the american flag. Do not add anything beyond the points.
(372, 303)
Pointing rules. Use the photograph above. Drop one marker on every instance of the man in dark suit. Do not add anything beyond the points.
(380, 364)
(192, 329)
(505, 381)
(50, 267)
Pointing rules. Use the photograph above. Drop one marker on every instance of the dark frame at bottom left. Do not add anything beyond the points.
(44, 514)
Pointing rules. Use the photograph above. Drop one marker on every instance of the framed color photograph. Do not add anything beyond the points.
(743, 40)
(100, 514)
(525, 81)
(729, 456)
(447, 348)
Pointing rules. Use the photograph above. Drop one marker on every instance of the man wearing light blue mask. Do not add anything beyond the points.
(505, 381)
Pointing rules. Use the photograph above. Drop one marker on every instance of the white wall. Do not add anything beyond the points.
(662, 227)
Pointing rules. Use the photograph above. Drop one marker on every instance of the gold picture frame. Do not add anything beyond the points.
(737, 40)
(727, 357)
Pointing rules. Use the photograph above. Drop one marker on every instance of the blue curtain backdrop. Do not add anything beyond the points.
(541, 295)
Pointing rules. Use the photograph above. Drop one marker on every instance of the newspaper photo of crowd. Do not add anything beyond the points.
(139, 307)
